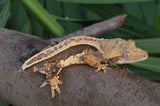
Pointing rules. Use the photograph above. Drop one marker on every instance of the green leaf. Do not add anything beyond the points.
(145, 73)
(54, 7)
(101, 1)
(45, 19)
(27, 25)
(18, 16)
(74, 19)
(132, 27)
(70, 10)
(92, 15)
(37, 28)
(152, 64)
(150, 45)
(133, 9)
(148, 10)
(156, 21)
(5, 13)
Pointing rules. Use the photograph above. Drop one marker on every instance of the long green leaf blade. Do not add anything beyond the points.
(145, 73)
(54, 7)
(70, 10)
(37, 28)
(27, 25)
(152, 64)
(5, 13)
(149, 10)
(18, 16)
(74, 19)
(156, 20)
(133, 9)
(102, 1)
(150, 45)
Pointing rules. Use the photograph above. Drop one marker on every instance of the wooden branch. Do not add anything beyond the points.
(81, 84)
(96, 29)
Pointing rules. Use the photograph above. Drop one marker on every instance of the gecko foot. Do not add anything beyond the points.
(102, 67)
(53, 82)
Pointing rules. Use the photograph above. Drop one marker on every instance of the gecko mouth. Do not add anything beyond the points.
(132, 61)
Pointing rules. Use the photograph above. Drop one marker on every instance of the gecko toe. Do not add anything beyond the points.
(44, 84)
(54, 82)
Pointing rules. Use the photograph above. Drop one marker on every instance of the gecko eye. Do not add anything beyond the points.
(126, 55)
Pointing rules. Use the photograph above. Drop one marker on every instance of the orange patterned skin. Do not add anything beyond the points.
(102, 52)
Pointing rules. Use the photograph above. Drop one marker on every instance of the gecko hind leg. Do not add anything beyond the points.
(53, 82)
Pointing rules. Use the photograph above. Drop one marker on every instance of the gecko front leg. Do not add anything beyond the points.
(95, 59)
(90, 57)
(52, 79)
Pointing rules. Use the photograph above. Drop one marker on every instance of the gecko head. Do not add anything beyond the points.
(131, 54)
(126, 52)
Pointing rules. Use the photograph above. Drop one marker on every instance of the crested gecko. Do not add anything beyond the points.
(95, 52)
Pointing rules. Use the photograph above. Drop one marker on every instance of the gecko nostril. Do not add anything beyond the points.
(145, 56)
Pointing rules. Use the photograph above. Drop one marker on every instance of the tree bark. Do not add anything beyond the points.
(81, 84)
